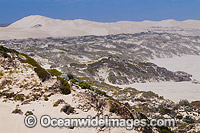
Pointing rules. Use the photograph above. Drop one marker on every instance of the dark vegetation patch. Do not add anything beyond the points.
(195, 104)
(28, 113)
(149, 94)
(4, 52)
(59, 101)
(54, 72)
(67, 109)
(41, 72)
(17, 111)
(65, 87)
(84, 85)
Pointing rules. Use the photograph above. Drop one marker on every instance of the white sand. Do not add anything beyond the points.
(14, 123)
(189, 64)
(175, 91)
(28, 27)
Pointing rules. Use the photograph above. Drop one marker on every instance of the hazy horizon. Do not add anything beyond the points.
(7, 24)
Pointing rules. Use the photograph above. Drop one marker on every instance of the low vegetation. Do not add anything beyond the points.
(28, 113)
(67, 109)
(17, 111)
(149, 94)
(46, 98)
(65, 87)
(184, 103)
(55, 72)
(4, 51)
(41, 72)
(84, 85)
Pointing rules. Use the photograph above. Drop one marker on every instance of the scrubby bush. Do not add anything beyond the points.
(41, 72)
(29, 113)
(4, 100)
(112, 110)
(70, 76)
(17, 111)
(4, 51)
(184, 102)
(46, 98)
(149, 94)
(58, 102)
(65, 88)
(20, 97)
(92, 89)
(55, 105)
(112, 78)
(73, 80)
(165, 111)
(1, 74)
(84, 85)
(195, 104)
(36, 96)
(67, 109)
(101, 92)
(55, 72)
(165, 129)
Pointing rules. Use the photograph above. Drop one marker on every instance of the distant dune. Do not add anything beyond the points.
(36, 26)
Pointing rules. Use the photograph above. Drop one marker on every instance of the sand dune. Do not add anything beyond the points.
(36, 26)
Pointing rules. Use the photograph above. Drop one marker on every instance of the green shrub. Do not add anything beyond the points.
(195, 104)
(65, 88)
(92, 89)
(67, 109)
(101, 92)
(73, 80)
(58, 102)
(17, 111)
(70, 76)
(165, 130)
(4, 100)
(1, 73)
(46, 98)
(6, 50)
(165, 111)
(112, 110)
(149, 94)
(55, 105)
(41, 72)
(29, 113)
(84, 85)
(184, 102)
(20, 97)
(112, 78)
(55, 72)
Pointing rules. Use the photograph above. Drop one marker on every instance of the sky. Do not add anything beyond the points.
(100, 10)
